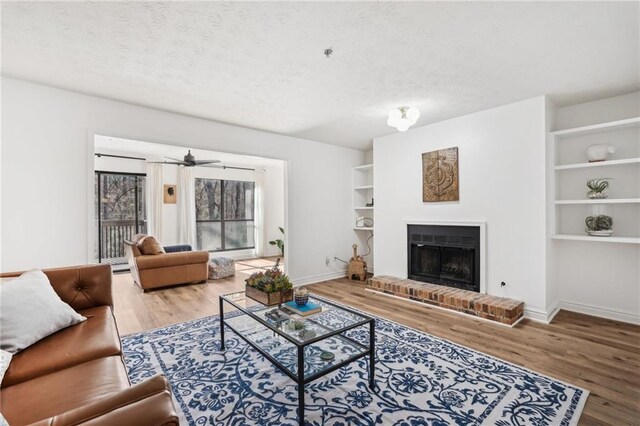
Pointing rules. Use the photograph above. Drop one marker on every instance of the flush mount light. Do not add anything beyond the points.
(402, 118)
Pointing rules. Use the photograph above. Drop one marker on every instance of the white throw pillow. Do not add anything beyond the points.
(30, 310)
(5, 359)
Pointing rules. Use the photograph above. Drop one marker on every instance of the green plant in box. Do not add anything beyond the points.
(271, 281)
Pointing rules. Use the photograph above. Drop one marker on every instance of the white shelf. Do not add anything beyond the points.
(601, 201)
(365, 187)
(596, 128)
(363, 208)
(364, 168)
(612, 239)
(363, 228)
(598, 164)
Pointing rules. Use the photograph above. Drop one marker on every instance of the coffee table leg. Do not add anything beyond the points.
(221, 323)
(372, 354)
(301, 385)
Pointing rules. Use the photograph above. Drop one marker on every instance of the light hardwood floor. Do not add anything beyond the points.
(599, 355)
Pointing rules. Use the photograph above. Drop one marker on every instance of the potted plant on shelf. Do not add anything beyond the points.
(597, 188)
(599, 226)
(271, 287)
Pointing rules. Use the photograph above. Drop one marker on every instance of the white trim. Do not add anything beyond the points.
(541, 316)
(601, 312)
(483, 243)
(318, 278)
(444, 309)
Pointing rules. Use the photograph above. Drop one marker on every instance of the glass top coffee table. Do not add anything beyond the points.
(304, 348)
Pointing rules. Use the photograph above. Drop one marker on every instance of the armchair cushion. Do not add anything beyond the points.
(30, 310)
(149, 246)
(172, 259)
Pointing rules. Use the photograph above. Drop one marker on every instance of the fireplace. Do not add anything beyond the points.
(443, 254)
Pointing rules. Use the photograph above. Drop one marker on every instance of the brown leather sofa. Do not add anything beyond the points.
(163, 270)
(77, 376)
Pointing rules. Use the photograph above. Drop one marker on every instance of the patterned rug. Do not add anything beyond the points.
(421, 379)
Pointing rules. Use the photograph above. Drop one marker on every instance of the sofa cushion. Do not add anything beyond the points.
(63, 390)
(30, 310)
(92, 339)
(149, 246)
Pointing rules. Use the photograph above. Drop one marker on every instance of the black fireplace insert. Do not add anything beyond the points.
(443, 254)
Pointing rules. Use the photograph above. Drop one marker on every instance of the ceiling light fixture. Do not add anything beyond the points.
(402, 118)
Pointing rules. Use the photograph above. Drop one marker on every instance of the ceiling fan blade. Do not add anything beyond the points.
(180, 163)
(175, 159)
(201, 162)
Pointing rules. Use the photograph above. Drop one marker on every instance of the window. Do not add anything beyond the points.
(224, 214)
(120, 213)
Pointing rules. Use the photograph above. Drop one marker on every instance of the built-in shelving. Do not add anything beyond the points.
(598, 164)
(362, 214)
(363, 168)
(597, 128)
(601, 201)
(610, 239)
(568, 148)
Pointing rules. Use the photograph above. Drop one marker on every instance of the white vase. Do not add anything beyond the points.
(599, 152)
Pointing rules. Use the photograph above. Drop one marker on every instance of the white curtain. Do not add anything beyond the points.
(258, 218)
(186, 206)
(154, 197)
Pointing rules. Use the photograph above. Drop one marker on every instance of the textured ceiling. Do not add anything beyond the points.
(261, 65)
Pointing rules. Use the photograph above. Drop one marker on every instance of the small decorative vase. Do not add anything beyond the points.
(301, 296)
(599, 152)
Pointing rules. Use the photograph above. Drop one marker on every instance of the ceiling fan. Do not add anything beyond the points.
(189, 161)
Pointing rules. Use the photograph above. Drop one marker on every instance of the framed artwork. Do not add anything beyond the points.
(169, 194)
(440, 175)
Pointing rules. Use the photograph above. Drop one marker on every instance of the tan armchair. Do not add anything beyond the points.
(162, 270)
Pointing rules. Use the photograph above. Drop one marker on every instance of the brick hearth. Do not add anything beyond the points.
(499, 309)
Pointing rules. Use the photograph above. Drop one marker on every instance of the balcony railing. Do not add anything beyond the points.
(113, 233)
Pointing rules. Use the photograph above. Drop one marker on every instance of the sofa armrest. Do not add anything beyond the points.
(145, 404)
(171, 259)
(82, 287)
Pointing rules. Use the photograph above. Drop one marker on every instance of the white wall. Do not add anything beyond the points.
(46, 200)
(598, 278)
(502, 182)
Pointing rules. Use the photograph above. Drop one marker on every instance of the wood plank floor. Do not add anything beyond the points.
(599, 355)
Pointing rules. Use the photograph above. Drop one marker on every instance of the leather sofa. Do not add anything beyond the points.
(167, 269)
(77, 376)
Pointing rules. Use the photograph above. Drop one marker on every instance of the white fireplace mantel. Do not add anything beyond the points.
(483, 243)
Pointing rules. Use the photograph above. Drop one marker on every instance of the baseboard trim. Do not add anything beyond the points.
(598, 311)
(539, 315)
(319, 278)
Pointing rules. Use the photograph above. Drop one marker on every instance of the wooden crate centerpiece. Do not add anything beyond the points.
(271, 287)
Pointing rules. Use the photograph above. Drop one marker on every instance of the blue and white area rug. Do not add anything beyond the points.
(422, 380)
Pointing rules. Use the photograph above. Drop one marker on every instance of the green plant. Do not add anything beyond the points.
(279, 242)
(270, 281)
(599, 223)
(597, 187)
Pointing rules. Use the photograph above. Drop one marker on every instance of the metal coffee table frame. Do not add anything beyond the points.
(299, 378)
